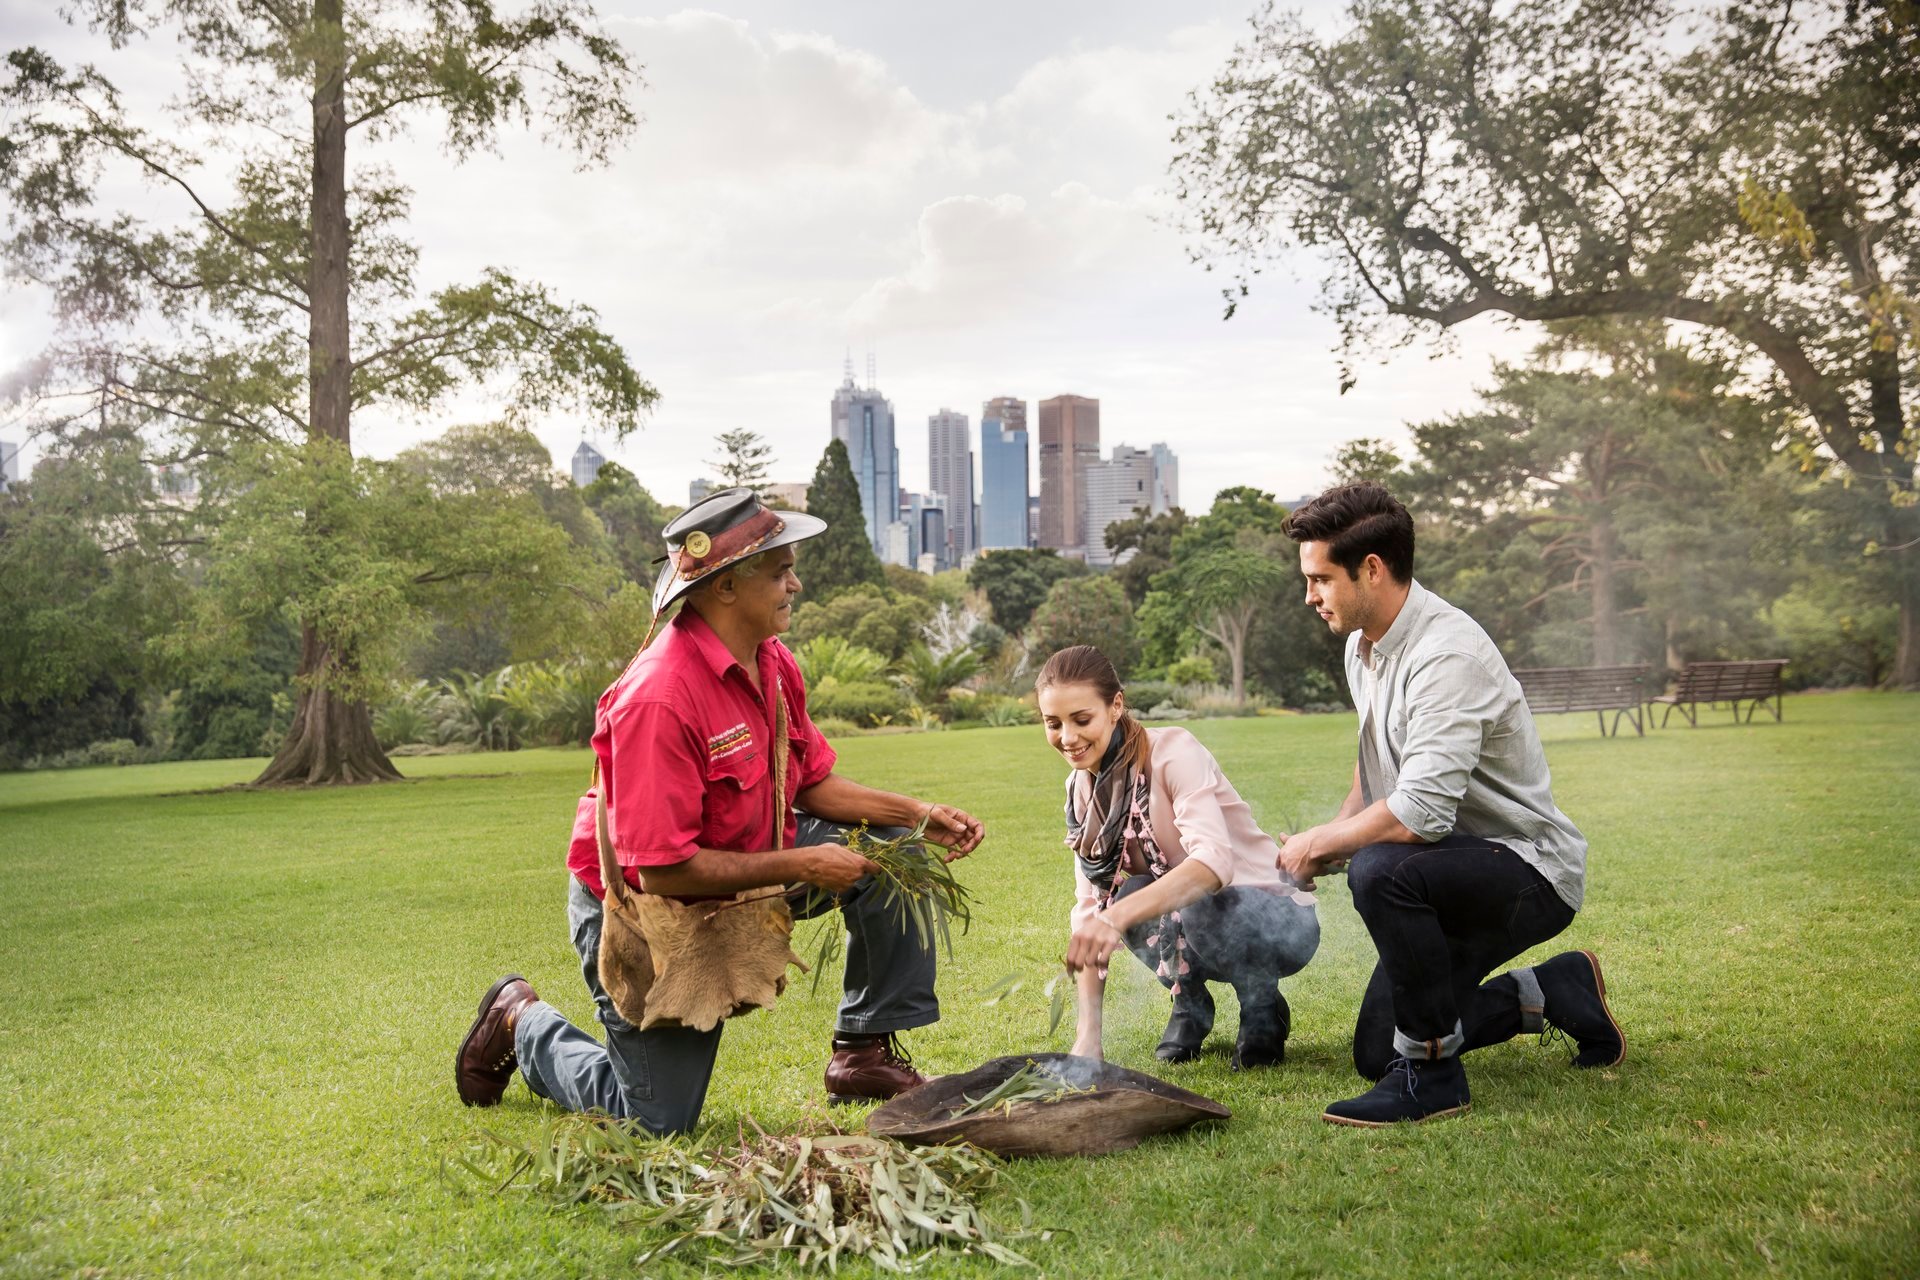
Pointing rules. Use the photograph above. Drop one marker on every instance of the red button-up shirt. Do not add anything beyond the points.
(682, 738)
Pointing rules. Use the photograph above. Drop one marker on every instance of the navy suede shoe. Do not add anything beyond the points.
(1412, 1090)
(1576, 1003)
(1188, 1027)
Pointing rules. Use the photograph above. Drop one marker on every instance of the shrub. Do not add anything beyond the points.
(825, 658)
(477, 712)
(834, 727)
(1213, 700)
(1192, 669)
(1002, 712)
(928, 678)
(555, 702)
(1143, 695)
(862, 702)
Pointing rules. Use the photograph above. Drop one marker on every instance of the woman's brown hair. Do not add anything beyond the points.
(1084, 664)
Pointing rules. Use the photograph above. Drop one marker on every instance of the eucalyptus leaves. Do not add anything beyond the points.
(815, 1200)
(915, 881)
(1031, 1083)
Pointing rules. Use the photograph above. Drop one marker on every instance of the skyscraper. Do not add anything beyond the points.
(1069, 443)
(863, 422)
(925, 515)
(587, 462)
(1010, 411)
(1166, 480)
(1116, 489)
(950, 474)
(1005, 480)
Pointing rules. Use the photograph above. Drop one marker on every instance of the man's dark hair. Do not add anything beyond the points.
(1356, 521)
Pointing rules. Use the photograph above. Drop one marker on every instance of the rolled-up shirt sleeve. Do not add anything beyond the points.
(1451, 705)
(657, 785)
(1086, 900)
(1193, 780)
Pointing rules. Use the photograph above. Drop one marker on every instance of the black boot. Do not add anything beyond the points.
(1414, 1089)
(1188, 1027)
(1265, 1022)
(1575, 996)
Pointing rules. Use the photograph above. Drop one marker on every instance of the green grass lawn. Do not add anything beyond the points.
(227, 1031)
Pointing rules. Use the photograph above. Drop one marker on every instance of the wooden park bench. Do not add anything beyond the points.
(1755, 682)
(1620, 690)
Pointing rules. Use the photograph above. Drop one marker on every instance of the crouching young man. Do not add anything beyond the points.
(1456, 856)
(685, 745)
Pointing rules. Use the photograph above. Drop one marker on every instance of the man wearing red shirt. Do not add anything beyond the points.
(684, 745)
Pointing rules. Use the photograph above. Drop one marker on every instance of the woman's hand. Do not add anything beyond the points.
(1092, 944)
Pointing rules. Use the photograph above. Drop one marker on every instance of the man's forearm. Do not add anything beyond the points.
(839, 799)
(1355, 801)
(1374, 824)
(722, 871)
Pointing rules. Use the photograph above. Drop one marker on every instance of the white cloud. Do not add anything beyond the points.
(792, 192)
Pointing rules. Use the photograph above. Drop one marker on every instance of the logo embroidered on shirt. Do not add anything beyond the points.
(733, 741)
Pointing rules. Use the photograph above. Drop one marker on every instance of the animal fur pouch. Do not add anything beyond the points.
(664, 962)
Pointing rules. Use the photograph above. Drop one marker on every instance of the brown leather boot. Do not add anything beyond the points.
(486, 1061)
(869, 1069)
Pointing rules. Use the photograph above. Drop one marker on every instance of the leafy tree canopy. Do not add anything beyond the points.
(1016, 581)
(1751, 173)
(1090, 610)
(260, 293)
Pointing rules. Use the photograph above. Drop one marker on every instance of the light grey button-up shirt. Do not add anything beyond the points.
(1447, 740)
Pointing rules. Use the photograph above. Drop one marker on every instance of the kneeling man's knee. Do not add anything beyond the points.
(1369, 870)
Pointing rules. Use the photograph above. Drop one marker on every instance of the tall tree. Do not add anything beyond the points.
(841, 557)
(1016, 580)
(1091, 610)
(1150, 538)
(632, 518)
(1623, 453)
(744, 460)
(1225, 588)
(1756, 178)
(90, 558)
(273, 302)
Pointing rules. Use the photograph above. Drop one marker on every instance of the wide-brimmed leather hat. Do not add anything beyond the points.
(722, 529)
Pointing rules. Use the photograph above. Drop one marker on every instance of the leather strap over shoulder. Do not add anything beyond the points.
(611, 877)
(781, 754)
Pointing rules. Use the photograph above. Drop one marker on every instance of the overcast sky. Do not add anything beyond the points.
(976, 194)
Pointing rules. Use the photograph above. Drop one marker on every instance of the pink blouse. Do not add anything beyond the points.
(1196, 814)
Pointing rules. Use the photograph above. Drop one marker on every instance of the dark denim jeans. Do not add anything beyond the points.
(1442, 917)
(660, 1076)
(1246, 938)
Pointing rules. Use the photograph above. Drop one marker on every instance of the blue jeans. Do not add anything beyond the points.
(659, 1076)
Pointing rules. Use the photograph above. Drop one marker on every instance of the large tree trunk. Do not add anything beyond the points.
(1903, 539)
(331, 740)
(1606, 610)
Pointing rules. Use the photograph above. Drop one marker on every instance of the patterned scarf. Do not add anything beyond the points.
(1114, 832)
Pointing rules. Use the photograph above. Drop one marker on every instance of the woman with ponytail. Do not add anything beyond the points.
(1170, 865)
